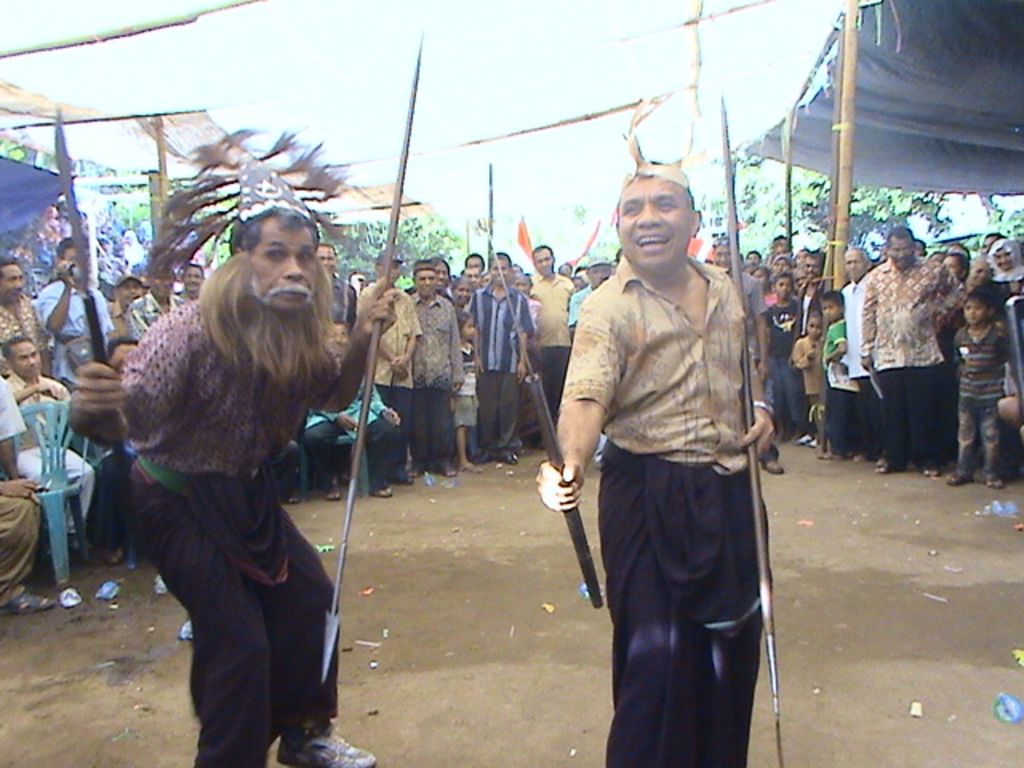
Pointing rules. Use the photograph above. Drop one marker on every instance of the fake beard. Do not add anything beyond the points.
(296, 290)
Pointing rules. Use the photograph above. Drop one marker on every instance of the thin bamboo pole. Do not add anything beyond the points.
(848, 97)
(787, 133)
(137, 29)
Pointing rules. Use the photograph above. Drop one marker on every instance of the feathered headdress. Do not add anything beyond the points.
(672, 172)
(235, 185)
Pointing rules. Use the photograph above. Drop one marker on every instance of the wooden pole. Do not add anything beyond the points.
(787, 149)
(159, 186)
(490, 214)
(848, 100)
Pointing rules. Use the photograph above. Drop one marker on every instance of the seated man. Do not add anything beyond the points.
(108, 528)
(28, 385)
(19, 519)
(385, 452)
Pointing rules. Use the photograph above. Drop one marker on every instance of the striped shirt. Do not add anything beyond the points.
(497, 344)
(982, 363)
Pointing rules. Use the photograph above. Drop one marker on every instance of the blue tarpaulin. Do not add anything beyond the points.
(25, 191)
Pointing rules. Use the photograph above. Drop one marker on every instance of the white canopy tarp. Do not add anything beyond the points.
(339, 73)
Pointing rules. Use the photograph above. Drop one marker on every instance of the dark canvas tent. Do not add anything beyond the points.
(25, 191)
(940, 99)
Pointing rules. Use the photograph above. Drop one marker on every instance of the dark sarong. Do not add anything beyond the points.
(257, 647)
(678, 548)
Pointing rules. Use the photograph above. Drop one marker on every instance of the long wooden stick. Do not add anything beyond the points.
(760, 515)
(131, 31)
(333, 621)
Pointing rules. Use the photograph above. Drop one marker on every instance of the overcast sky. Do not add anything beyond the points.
(339, 72)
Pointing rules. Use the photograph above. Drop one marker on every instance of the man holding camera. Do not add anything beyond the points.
(61, 310)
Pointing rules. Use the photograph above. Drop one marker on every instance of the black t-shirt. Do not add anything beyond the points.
(781, 320)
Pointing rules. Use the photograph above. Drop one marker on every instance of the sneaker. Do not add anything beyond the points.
(804, 440)
(316, 747)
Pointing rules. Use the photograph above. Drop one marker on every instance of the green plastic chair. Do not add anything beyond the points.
(49, 424)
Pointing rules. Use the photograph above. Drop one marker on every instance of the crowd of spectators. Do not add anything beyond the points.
(902, 363)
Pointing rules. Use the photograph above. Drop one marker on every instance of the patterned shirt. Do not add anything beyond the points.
(497, 343)
(553, 293)
(20, 320)
(437, 361)
(982, 363)
(189, 411)
(145, 311)
(395, 340)
(901, 312)
(667, 389)
(17, 384)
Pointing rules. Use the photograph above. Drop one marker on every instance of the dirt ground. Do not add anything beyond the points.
(888, 590)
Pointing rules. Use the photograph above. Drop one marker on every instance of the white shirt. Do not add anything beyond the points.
(11, 422)
(853, 296)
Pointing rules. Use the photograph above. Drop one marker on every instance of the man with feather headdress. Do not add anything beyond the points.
(216, 388)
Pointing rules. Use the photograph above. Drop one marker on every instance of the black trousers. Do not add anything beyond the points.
(498, 413)
(256, 649)
(683, 693)
(385, 451)
(399, 398)
(870, 432)
(840, 413)
(433, 429)
(554, 364)
(911, 419)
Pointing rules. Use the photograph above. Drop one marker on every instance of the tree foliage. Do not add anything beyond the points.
(424, 237)
(761, 200)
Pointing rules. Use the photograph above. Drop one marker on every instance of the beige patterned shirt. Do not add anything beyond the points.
(395, 340)
(667, 389)
(901, 310)
(553, 324)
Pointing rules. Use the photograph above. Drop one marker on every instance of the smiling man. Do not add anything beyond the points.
(656, 366)
(212, 392)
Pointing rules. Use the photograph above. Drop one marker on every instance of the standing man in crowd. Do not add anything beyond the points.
(397, 345)
(473, 270)
(867, 416)
(126, 290)
(905, 299)
(656, 365)
(61, 310)
(150, 307)
(192, 278)
(501, 359)
(17, 316)
(553, 291)
(436, 375)
(343, 295)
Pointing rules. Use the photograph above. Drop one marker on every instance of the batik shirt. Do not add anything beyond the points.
(667, 388)
(437, 361)
(145, 311)
(901, 313)
(21, 320)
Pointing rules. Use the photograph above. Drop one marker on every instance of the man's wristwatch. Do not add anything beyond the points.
(764, 407)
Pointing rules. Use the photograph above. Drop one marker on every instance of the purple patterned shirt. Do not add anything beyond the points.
(189, 411)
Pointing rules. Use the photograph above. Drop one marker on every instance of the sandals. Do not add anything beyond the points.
(958, 479)
(382, 493)
(27, 603)
(994, 482)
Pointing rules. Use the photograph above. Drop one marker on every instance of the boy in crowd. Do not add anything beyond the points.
(982, 350)
(784, 379)
(807, 359)
(840, 399)
(465, 403)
